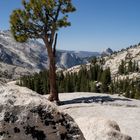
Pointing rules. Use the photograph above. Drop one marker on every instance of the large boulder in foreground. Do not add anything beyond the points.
(101, 129)
(25, 115)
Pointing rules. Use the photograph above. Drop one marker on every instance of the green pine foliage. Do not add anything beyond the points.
(83, 81)
(40, 19)
(121, 68)
(95, 79)
(127, 87)
(126, 68)
(106, 80)
(38, 82)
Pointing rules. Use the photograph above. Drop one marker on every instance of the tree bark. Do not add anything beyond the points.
(52, 77)
(52, 69)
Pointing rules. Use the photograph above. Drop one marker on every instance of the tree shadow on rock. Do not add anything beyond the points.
(93, 99)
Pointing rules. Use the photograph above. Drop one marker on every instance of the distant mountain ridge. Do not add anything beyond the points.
(33, 55)
(107, 52)
(83, 54)
(131, 53)
(114, 59)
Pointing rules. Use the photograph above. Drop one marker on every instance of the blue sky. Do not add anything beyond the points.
(96, 25)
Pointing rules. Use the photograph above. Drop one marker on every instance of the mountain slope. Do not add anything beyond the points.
(28, 54)
(113, 61)
(33, 54)
(11, 72)
(107, 52)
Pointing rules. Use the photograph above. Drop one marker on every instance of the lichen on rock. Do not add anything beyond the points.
(25, 115)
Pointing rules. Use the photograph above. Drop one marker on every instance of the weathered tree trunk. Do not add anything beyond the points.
(52, 69)
(52, 73)
(52, 77)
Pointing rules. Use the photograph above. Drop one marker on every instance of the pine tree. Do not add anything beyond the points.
(94, 60)
(137, 67)
(137, 93)
(106, 80)
(134, 66)
(111, 88)
(78, 81)
(121, 69)
(93, 87)
(41, 19)
(130, 66)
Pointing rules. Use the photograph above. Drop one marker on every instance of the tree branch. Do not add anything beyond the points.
(54, 46)
(57, 13)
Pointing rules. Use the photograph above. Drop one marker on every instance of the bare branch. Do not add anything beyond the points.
(54, 46)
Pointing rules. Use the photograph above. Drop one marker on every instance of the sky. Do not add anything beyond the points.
(96, 25)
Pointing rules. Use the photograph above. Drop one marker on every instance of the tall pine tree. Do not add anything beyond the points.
(41, 19)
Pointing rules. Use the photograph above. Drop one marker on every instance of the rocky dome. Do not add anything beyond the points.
(25, 115)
